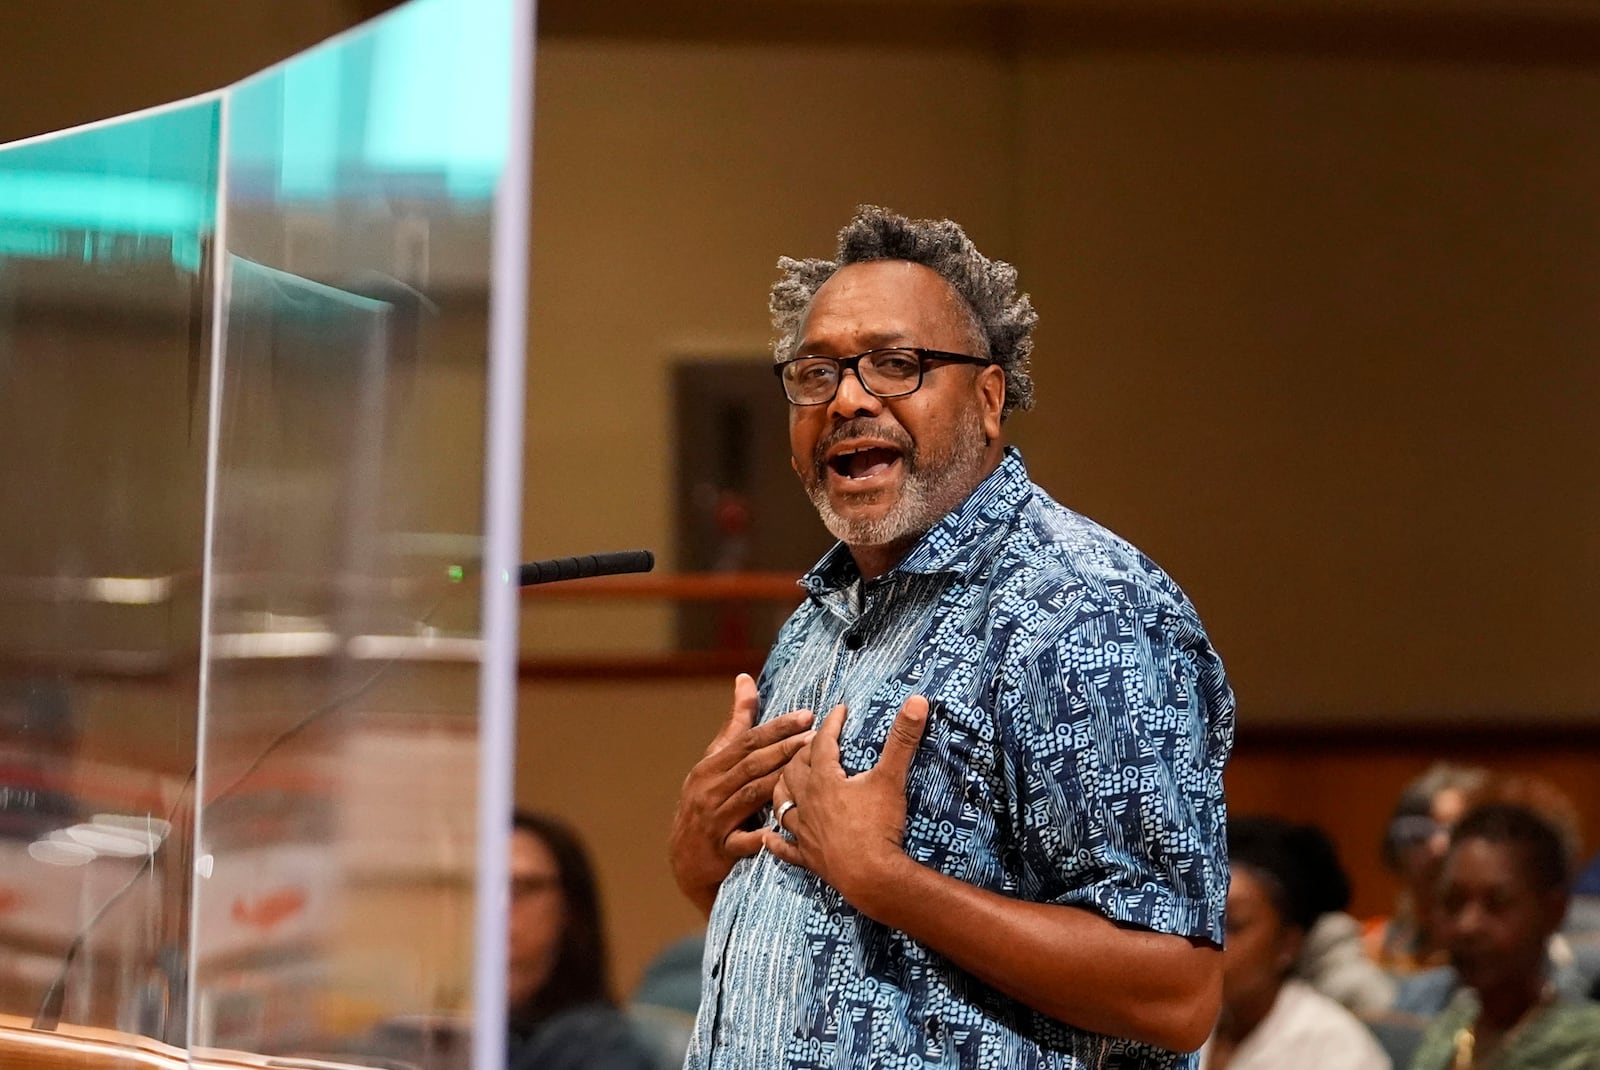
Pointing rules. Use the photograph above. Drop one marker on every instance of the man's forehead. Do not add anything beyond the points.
(885, 302)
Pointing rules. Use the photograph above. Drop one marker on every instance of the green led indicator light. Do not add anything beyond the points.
(457, 573)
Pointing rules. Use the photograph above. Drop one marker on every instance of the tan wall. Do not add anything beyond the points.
(66, 64)
(1320, 337)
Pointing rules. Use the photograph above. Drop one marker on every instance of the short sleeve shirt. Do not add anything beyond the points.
(1079, 721)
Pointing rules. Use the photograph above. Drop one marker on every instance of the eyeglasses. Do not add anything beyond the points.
(533, 884)
(1409, 830)
(883, 373)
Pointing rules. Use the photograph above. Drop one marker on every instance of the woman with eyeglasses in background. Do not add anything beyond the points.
(1414, 846)
(562, 1015)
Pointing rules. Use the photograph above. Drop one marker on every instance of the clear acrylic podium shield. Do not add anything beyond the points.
(260, 439)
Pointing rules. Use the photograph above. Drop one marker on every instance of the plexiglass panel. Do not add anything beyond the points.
(340, 736)
(245, 354)
(105, 347)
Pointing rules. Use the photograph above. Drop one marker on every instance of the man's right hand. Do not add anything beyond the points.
(732, 781)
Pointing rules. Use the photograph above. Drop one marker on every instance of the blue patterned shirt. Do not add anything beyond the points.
(1078, 725)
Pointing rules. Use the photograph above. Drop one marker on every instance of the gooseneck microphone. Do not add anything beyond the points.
(578, 568)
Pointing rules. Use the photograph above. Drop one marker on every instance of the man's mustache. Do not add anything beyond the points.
(862, 428)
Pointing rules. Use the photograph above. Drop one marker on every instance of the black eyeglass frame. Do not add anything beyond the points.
(852, 364)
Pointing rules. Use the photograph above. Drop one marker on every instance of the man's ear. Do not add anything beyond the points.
(991, 386)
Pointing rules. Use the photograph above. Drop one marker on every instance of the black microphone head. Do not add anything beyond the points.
(577, 568)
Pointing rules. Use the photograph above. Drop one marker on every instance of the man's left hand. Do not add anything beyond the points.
(848, 830)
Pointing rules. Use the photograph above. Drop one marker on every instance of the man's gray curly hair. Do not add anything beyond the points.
(1003, 319)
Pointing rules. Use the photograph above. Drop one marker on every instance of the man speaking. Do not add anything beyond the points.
(972, 813)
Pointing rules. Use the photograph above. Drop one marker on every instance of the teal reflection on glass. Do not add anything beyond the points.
(457, 124)
(415, 101)
(138, 189)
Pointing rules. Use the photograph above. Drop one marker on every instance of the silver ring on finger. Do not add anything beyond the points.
(783, 810)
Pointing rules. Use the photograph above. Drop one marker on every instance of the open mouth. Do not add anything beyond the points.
(864, 463)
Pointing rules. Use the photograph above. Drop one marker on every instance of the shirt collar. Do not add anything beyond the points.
(960, 543)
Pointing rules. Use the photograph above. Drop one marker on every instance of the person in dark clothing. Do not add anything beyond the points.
(561, 1014)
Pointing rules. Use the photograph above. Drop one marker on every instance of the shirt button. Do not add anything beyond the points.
(853, 640)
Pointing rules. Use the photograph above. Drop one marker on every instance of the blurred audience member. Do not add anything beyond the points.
(1503, 893)
(663, 1006)
(562, 1015)
(1426, 993)
(1588, 882)
(1284, 877)
(1413, 849)
(1334, 962)
(1572, 949)
(1582, 927)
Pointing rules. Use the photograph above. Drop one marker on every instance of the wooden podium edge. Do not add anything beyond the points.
(86, 1048)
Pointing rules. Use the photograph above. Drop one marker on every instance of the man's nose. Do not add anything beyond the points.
(853, 399)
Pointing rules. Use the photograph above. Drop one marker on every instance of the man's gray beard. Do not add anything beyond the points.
(933, 486)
